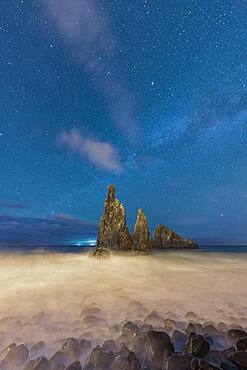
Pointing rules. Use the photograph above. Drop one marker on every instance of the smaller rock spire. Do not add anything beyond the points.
(141, 233)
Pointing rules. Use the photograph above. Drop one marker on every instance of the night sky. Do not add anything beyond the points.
(149, 95)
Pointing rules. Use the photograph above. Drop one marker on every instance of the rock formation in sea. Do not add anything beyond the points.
(166, 238)
(113, 232)
(141, 237)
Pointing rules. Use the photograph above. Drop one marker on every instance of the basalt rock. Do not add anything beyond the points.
(113, 232)
(141, 234)
(166, 238)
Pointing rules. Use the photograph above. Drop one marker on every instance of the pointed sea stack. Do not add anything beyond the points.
(165, 238)
(113, 232)
(141, 234)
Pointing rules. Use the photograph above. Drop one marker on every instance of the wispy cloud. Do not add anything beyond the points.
(60, 229)
(85, 28)
(8, 204)
(99, 153)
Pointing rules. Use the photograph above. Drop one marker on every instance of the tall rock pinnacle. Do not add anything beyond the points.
(141, 233)
(113, 232)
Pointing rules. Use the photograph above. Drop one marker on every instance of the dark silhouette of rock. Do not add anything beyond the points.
(141, 236)
(113, 232)
(166, 238)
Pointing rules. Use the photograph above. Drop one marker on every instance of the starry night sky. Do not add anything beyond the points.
(149, 95)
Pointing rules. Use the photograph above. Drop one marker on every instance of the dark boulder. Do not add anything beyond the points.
(37, 348)
(177, 361)
(58, 358)
(15, 357)
(160, 346)
(240, 359)
(72, 348)
(99, 358)
(242, 344)
(197, 345)
(74, 366)
(235, 334)
(125, 360)
(41, 363)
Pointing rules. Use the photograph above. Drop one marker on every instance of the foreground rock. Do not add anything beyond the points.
(113, 232)
(100, 253)
(141, 234)
(166, 238)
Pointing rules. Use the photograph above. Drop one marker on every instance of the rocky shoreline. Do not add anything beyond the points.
(113, 233)
(156, 342)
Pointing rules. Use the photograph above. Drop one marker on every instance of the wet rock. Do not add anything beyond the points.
(191, 328)
(74, 366)
(29, 365)
(72, 348)
(222, 327)
(235, 334)
(125, 360)
(90, 310)
(178, 340)
(8, 349)
(197, 345)
(140, 345)
(110, 346)
(191, 315)
(240, 359)
(141, 235)
(166, 238)
(161, 345)
(169, 325)
(85, 345)
(177, 361)
(242, 344)
(210, 329)
(100, 253)
(59, 367)
(92, 320)
(130, 329)
(199, 364)
(58, 358)
(15, 357)
(37, 348)
(113, 232)
(39, 318)
(154, 319)
(98, 358)
(41, 363)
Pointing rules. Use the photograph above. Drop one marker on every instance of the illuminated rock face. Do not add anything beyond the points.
(113, 232)
(141, 236)
(166, 238)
